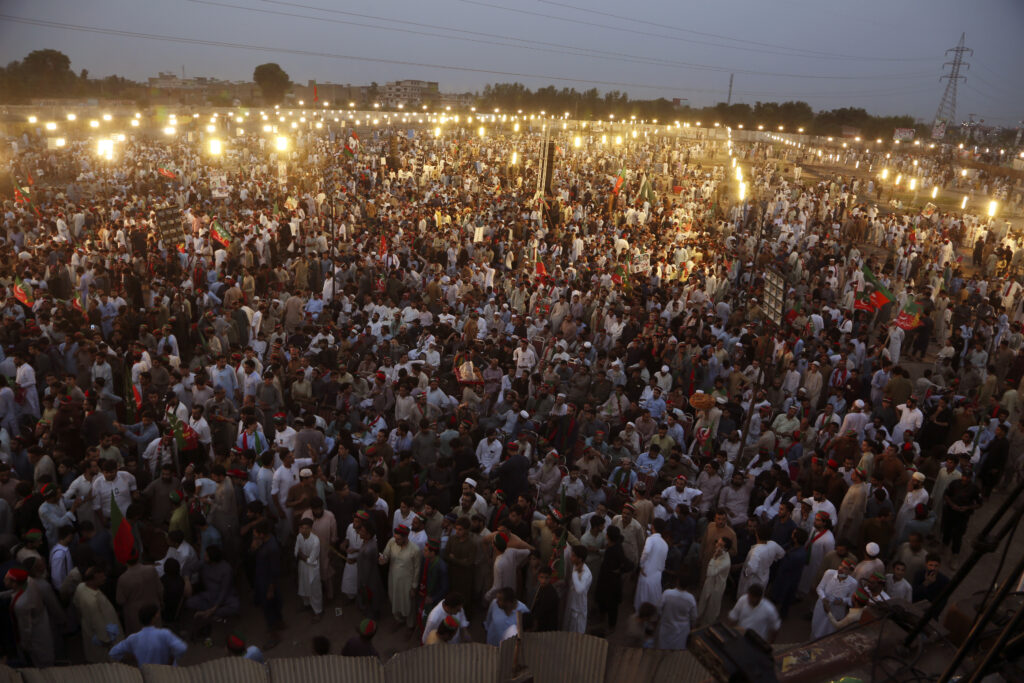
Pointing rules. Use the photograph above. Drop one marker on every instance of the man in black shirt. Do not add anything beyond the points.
(962, 497)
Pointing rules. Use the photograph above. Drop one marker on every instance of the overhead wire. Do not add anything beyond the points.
(486, 38)
(45, 23)
(708, 67)
(820, 54)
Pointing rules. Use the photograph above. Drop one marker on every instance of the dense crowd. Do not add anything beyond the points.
(384, 370)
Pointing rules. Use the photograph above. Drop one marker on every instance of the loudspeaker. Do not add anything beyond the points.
(547, 166)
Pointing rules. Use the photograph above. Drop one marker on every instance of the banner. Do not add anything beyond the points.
(904, 134)
(939, 130)
(641, 263)
(219, 185)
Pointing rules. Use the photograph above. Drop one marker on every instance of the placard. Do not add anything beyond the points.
(169, 225)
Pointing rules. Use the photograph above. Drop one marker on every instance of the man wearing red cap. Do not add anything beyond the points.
(361, 645)
(404, 558)
(31, 619)
(821, 543)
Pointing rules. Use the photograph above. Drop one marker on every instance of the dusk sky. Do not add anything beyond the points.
(885, 56)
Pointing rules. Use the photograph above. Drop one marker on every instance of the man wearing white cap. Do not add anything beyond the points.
(916, 495)
(664, 379)
(855, 420)
(870, 564)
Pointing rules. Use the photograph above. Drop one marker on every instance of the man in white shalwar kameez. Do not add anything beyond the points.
(349, 577)
(760, 559)
(652, 564)
(307, 550)
(821, 543)
(579, 581)
(678, 615)
(834, 591)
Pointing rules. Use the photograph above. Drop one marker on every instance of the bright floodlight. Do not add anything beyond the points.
(216, 147)
(992, 206)
(281, 143)
(51, 125)
(169, 130)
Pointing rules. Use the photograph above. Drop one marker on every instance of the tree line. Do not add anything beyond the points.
(48, 74)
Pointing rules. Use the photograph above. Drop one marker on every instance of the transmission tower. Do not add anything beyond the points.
(946, 112)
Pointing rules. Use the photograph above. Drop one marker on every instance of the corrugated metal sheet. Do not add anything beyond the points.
(90, 673)
(558, 657)
(9, 675)
(223, 670)
(326, 669)
(627, 664)
(469, 662)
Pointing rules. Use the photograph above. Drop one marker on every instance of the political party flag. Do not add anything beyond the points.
(23, 292)
(618, 182)
(29, 176)
(383, 244)
(79, 302)
(620, 276)
(121, 532)
(909, 317)
(184, 435)
(881, 296)
(347, 151)
(220, 233)
(862, 302)
(541, 269)
(167, 174)
(645, 193)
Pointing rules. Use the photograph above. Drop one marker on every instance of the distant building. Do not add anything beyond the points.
(409, 93)
(336, 95)
(460, 100)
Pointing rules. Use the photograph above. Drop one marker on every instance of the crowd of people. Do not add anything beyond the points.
(383, 370)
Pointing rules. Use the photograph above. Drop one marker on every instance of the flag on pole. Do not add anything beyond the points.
(620, 276)
(909, 317)
(347, 151)
(645, 193)
(862, 302)
(133, 399)
(881, 296)
(541, 270)
(220, 233)
(618, 182)
(184, 436)
(166, 173)
(79, 302)
(29, 176)
(383, 244)
(23, 292)
(121, 532)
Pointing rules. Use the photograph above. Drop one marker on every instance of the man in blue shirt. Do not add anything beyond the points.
(151, 645)
(500, 622)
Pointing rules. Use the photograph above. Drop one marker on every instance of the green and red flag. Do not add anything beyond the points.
(909, 317)
(347, 151)
(184, 435)
(881, 296)
(220, 233)
(541, 269)
(23, 292)
(166, 173)
(862, 302)
(79, 302)
(121, 532)
(618, 182)
(132, 399)
(620, 276)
